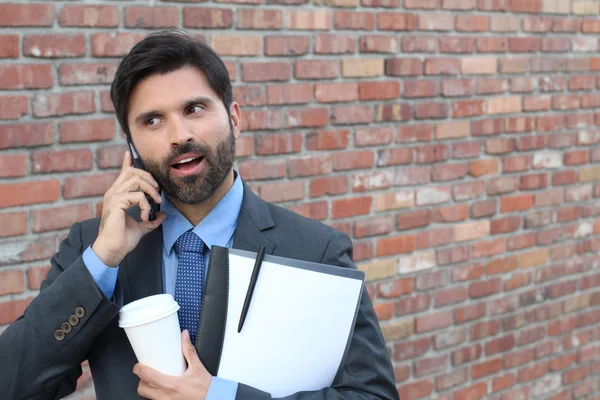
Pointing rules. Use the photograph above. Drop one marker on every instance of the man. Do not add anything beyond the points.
(173, 100)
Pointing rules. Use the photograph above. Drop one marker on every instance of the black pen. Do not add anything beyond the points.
(253, 279)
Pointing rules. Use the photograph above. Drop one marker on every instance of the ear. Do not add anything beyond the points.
(236, 118)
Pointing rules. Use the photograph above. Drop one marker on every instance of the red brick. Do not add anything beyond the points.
(113, 44)
(466, 354)
(207, 18)
(328, 139)
(236, 45)
(308, 117)
(87, 74)
(472, 23)
(55, 218)
(60, 104)
(469, 313)
(420, 88)
(534, 372)
(334, 44)
(472, 392)
(466, 150)
(403, 67)
(266, 71)
(432, 110)
(54, 46)
(491, 86)
(352, 114)
(278, 144)
(13, 224)
(389, 245)
(416, 390)
(11, 310)
(352, 20)
(428, 366)
(453, 255)
(422, 4)
(308, 166)
(35, 276)
(378, 90)
(351, 207)
(411, 305)
(390, 21)
(450, 296)
(309, 20)
(11, 282)
(33, 192)
(289, 94)
(457, 87)
(378, 44)
(287, 45)
(13, 107)
(488, 248)
(336, 92)
(516, 203)
(486, 368)
(26, 135)
(419, 44)
(255, 170)
(87, 130)
(87, 186)
(26, 76)
(452, 44)
(393, 112)
(89, 16)
(503, 382)
(395, 288)
(433, 321)
(435, 22)
(259, 19)
(152, 17)
(376, 136)
(442, 66)
(500, 345)
(316, 69)
(14, 14)
(317, 211)
(467, 108)
(413, 219)
(62, 161)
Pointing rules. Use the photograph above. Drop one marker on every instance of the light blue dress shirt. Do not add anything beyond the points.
(216, 228)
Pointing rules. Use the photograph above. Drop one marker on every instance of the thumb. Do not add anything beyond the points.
(189, 351)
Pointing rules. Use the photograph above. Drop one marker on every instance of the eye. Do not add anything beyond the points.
(195, 109)
(152, 122)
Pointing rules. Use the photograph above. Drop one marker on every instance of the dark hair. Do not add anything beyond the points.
(160, 53)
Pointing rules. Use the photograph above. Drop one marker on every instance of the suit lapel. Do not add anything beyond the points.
(253, 223)
(144, 266)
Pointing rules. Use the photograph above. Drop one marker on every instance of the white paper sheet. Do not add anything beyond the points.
(296, 329)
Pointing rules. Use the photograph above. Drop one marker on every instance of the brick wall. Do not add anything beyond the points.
(454, 140)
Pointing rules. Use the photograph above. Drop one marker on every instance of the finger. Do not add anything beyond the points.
(149, 226)
(189, 351)
(151, 376)
(124, 201)
(133, 171)
(137, 183)
(148, 391)
(126, 161)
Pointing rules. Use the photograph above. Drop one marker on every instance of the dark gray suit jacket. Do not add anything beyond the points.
(34, 364)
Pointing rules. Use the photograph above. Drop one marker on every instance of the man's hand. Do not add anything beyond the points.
(193, 384)
(119, 233)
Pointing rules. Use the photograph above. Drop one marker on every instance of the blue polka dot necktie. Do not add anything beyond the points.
(190, 280)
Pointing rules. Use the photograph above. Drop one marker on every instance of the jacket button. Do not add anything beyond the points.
(79, 312)
(73, 320)
(59, 335)
(66, 327)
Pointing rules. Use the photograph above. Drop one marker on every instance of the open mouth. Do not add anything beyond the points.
(187, 163)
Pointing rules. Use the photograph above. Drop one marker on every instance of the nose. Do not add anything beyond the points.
(179, 132)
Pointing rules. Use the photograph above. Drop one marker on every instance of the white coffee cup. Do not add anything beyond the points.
(152, 327)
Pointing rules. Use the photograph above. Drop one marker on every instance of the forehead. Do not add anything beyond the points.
(170, 90)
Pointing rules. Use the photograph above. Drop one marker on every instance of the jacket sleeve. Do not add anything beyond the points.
(43, 349)
(367, 373)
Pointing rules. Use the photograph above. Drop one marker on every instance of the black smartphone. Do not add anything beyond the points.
(137, 162)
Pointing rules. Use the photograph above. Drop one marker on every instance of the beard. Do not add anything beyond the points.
(197, 188)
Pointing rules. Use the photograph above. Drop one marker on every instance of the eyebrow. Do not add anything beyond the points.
(201, 99)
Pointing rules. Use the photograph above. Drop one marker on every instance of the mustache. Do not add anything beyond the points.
(189, 147)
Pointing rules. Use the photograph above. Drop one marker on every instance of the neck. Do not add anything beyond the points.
(195, 213)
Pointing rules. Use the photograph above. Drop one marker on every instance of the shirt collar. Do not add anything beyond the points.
(216, 228)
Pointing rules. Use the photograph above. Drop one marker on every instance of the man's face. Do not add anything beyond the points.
(183, 133)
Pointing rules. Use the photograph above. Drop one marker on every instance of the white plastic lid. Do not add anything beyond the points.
(147, 310)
